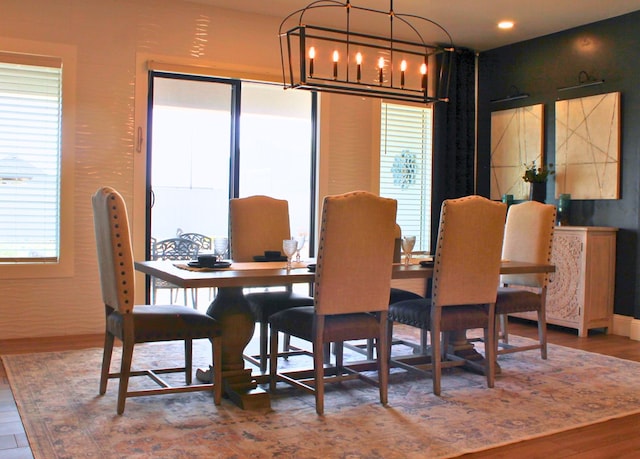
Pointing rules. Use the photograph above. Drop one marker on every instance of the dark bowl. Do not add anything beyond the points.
(207, 260)
(272, 254)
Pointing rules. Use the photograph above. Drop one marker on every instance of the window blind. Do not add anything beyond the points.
(30, 139)
(406, 167)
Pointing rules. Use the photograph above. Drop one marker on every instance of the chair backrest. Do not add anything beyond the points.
(355, 253)
(175, 248)
(528, 236)
(257, 224)
(467, 259)
(204, 242)
(115, 255)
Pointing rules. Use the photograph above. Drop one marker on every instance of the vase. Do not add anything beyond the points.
(538, 191)
(563, 209)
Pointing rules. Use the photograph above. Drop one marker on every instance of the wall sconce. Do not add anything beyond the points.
(344, 61)
(515, 95)
(584, 80)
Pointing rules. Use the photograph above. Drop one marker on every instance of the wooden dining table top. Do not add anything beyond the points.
(258, 274)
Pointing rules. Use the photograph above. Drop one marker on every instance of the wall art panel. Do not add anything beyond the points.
(516, 140)
(588, 147)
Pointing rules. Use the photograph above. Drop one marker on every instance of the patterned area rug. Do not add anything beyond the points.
(64, 417)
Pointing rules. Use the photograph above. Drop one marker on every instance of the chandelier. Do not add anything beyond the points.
(397, 65)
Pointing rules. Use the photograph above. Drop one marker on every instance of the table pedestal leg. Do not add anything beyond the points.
(460, 346)
(232, 310)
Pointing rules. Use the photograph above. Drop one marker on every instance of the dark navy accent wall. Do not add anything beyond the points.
(608, 50)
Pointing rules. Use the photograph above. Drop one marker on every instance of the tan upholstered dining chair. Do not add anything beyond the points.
(258, 224)
(352, 285)
(528, 237)
(133, 324)
(466, 277)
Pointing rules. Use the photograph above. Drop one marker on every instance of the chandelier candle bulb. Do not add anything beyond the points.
(312, 56)
(423, 70)
(380, 67)
(359, 68)
(403, 67)
(336, 56)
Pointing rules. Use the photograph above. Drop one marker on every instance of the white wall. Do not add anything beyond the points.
(114, 39)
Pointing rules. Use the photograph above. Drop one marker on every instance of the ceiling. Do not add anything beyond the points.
(471, 23)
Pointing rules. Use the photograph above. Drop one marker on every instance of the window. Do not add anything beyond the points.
(30, 157)
(36, 228)
(406, 167)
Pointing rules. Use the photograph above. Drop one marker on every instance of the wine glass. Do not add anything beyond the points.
(407, 247)
(220, 245)
(301, 238)
(289, 246)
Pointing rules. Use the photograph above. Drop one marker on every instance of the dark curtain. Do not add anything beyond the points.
(454, 137)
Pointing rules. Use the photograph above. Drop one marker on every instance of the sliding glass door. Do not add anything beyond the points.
(214, 139)
(190, 156)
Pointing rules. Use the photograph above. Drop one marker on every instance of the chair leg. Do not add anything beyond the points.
(389, 338)
(194, 298)
(318, 367)
(286, 342)
(106, 361)
(423, 341)
(542, 333)
(154, 291)
(370, 347)
(339, 353)
(264, 333)
(188, 361)
(504, 328)
(491, 346)
(216, 352)
(125, 371)
(436, 349)
(318, 362)
(273, 359)
(382, 349)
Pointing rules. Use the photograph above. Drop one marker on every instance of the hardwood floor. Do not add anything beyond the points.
(616, 438)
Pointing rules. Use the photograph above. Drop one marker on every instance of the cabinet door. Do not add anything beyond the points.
(565, 292)
(600, 275)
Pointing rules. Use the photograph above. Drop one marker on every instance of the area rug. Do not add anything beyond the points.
(64, 417)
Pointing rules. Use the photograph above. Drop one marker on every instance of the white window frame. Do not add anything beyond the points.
(63, 266)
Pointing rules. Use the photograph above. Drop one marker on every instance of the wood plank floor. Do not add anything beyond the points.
(616, 438)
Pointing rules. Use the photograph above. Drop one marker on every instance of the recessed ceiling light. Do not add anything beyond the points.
(505, 24)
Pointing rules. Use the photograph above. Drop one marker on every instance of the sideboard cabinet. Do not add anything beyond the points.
(580, 292)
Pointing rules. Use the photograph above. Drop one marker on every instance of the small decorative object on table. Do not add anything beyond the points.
(537, 177)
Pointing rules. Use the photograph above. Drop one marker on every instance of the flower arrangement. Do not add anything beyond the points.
(534, 174)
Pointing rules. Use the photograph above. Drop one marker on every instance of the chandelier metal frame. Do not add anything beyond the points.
(402, 66)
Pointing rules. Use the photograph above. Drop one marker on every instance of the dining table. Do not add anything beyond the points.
(231, 309)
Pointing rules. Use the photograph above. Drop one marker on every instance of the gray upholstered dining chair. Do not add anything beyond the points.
(465, 283)
(204, 243)
(134, 324)
(258, 224)
(528, 237)
(352, 285)
(173, 249)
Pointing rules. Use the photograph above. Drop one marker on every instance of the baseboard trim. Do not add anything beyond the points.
(626, 326)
